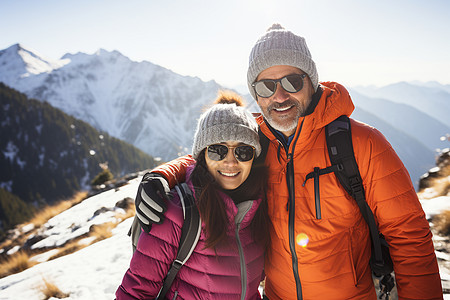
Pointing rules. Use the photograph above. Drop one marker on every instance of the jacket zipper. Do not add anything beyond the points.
(291, 188)
(317, 193)
(241, 252)
(315, 174)
(291, 207)
(290, 178)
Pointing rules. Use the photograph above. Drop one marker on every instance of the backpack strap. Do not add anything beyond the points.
(340, 150)
(190, 233)
(264, 142)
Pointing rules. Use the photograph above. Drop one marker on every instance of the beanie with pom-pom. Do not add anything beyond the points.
(227, 120)
(279, 46)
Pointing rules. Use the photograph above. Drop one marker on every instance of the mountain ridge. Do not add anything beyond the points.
(127, 99)
(156, 109)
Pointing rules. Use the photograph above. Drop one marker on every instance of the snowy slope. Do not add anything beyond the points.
(94, 272)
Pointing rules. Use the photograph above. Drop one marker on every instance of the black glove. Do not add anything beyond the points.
(153, 192)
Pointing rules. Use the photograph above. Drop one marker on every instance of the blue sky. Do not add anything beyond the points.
(352, 42)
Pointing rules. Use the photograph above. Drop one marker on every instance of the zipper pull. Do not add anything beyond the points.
(289, 157)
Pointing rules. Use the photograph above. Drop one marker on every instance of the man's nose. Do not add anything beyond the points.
(280, 94)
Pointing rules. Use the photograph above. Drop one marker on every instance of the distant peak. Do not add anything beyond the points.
(102, 52)
(19, 46)
(32, 61)
(15, 48)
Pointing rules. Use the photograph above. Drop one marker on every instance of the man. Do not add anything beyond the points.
(320, 243)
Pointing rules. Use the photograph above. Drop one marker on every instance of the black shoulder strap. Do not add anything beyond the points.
(340, 150)
(190, 234)
(264, 141)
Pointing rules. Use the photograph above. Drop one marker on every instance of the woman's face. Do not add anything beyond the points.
(229, 172)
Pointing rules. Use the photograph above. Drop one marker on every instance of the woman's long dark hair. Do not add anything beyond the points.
(213, 211)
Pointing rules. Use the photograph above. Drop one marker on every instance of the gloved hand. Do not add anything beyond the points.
(153, 192)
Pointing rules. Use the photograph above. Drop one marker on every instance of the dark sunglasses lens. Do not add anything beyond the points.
(244, 153)
(292, 83)
(217, 152)
(265, 88)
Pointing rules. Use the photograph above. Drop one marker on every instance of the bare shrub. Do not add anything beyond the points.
(50, 290)
(45, 214)
(129, 212)
(442, 184)
(15, 263)
(69, 248)
(102, 231)
(442, 222)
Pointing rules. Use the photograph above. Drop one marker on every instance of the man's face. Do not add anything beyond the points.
(283, 109)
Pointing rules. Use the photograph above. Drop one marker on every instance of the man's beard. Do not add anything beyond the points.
(287, 124)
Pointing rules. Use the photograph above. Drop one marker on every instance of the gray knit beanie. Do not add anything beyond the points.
(280, 47)
(225, 122)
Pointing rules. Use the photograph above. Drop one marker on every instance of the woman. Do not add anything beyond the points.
(228, 186)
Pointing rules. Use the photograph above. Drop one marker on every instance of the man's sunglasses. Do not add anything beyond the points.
(218, 152)
(267, 87)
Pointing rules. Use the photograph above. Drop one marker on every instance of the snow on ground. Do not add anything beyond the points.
(435, 206)
(96, 271)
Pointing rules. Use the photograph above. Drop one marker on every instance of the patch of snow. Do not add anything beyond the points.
(86, 241)
(39, 128)
(11, 151)
(26, 228)
(6, 185)
(442, 255)
(13, 250)
(41, 159)
(21, 163)
(43, 257)
(435, 206)
(36, 64)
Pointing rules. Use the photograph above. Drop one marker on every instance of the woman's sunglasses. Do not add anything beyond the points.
(267, 87)
(218, 152)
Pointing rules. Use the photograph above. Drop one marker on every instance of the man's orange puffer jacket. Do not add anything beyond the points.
(327, 257)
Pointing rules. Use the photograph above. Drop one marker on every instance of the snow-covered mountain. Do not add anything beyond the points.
(144, 104)
(406, 118)
(431, 98)
(156, 109)
(18, 62)
(415, 155)
(414, 134)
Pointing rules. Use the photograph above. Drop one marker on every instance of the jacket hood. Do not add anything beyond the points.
(334, 102)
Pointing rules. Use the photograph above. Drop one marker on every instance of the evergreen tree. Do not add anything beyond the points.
(47, 155)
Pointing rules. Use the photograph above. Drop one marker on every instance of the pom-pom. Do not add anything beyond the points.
(276, 26)
(229, 97)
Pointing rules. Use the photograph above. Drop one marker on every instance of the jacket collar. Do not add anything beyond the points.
(329, 102)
